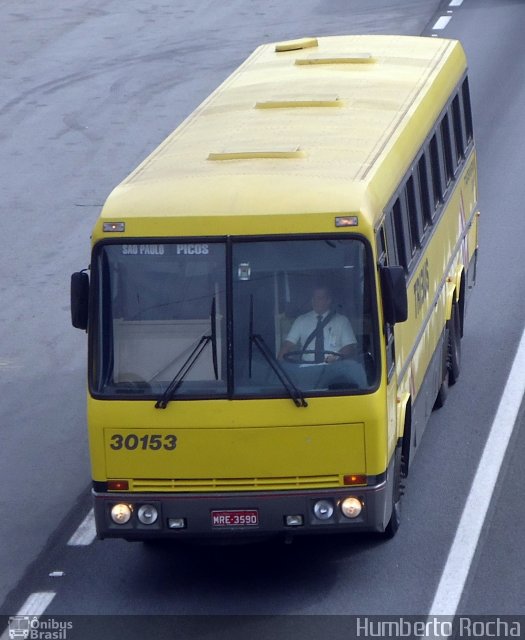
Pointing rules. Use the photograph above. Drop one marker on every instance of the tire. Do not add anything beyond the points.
(454, 346)
(397, 492)
(442, 394)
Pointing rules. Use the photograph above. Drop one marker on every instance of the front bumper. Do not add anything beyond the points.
(195, 511)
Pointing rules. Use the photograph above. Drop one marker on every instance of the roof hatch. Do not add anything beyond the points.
(351, 58)
(274, 151)
(299, 101)
(295, 45)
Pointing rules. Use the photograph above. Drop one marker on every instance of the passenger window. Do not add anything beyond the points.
(381, 247)
(402, 232)
(390, 240)
(447, 148)
(467, 110)
(458, 130)
(424, 192)
(437, 186)
(414, 215)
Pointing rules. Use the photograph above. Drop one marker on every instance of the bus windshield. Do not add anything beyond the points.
(290, 317)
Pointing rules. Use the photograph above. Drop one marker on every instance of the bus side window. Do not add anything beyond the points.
(402, 246)
(391, 250)
(381, 247)
(447, 148)
(459, 135)
(414, 214)
(405, 229)
(435, 170)
(467, 111)
(424, 192)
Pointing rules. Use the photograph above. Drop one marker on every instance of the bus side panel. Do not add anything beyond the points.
(420, 341)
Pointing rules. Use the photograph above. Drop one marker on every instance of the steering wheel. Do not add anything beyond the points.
(297, 357)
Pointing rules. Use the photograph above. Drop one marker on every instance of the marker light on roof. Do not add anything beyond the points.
(114, 226)
(346, 221)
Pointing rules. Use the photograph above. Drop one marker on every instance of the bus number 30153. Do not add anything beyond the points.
(155, 442)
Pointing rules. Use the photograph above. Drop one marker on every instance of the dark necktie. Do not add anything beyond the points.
(319, 340)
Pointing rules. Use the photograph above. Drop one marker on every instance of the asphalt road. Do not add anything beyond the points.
(90, 89)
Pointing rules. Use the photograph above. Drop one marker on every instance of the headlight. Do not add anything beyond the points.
(323, 509)
(147, 514)
(351, 507)
(120, 513)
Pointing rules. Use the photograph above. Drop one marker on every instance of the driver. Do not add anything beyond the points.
(321, 335)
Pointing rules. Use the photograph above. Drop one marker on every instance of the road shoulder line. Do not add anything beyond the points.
(457, 567)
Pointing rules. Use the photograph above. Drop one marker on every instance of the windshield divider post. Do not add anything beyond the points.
(213, 337)
(229, 319)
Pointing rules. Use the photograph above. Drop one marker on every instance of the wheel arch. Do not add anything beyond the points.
(455, 288)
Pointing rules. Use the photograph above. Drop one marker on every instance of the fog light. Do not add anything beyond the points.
(351, 507)
(147, 514)
(323, 509)
(120, 513)
(294, 521)
(177, 523)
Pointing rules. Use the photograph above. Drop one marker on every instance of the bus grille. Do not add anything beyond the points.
(238, 484)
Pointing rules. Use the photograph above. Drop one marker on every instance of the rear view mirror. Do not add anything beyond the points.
(394, 290)
(79, 300)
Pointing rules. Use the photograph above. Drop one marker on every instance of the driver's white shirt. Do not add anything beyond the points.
(338, 333)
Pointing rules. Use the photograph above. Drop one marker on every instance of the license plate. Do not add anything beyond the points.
(235, 518)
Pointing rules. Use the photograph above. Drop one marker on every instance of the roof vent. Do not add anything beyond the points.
(353, 58)
(274, 151)
(293, 102)
(296, 45)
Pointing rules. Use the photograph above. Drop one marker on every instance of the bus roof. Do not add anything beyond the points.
(308, 127)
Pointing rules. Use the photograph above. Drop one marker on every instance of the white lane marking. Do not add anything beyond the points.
(37, 603)
(455, 3)
(457, 566)
(86, 533)
(35, 606)
(441, 23)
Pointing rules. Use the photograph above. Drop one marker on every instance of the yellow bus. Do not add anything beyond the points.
(277, 294)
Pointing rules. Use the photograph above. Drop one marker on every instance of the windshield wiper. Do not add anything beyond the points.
(256, 339)
(171, 389)
(162, 402)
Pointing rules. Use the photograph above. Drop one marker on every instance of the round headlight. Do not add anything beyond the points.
(147, 514)
(120, 513)
(323, 509)
(351, 507)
